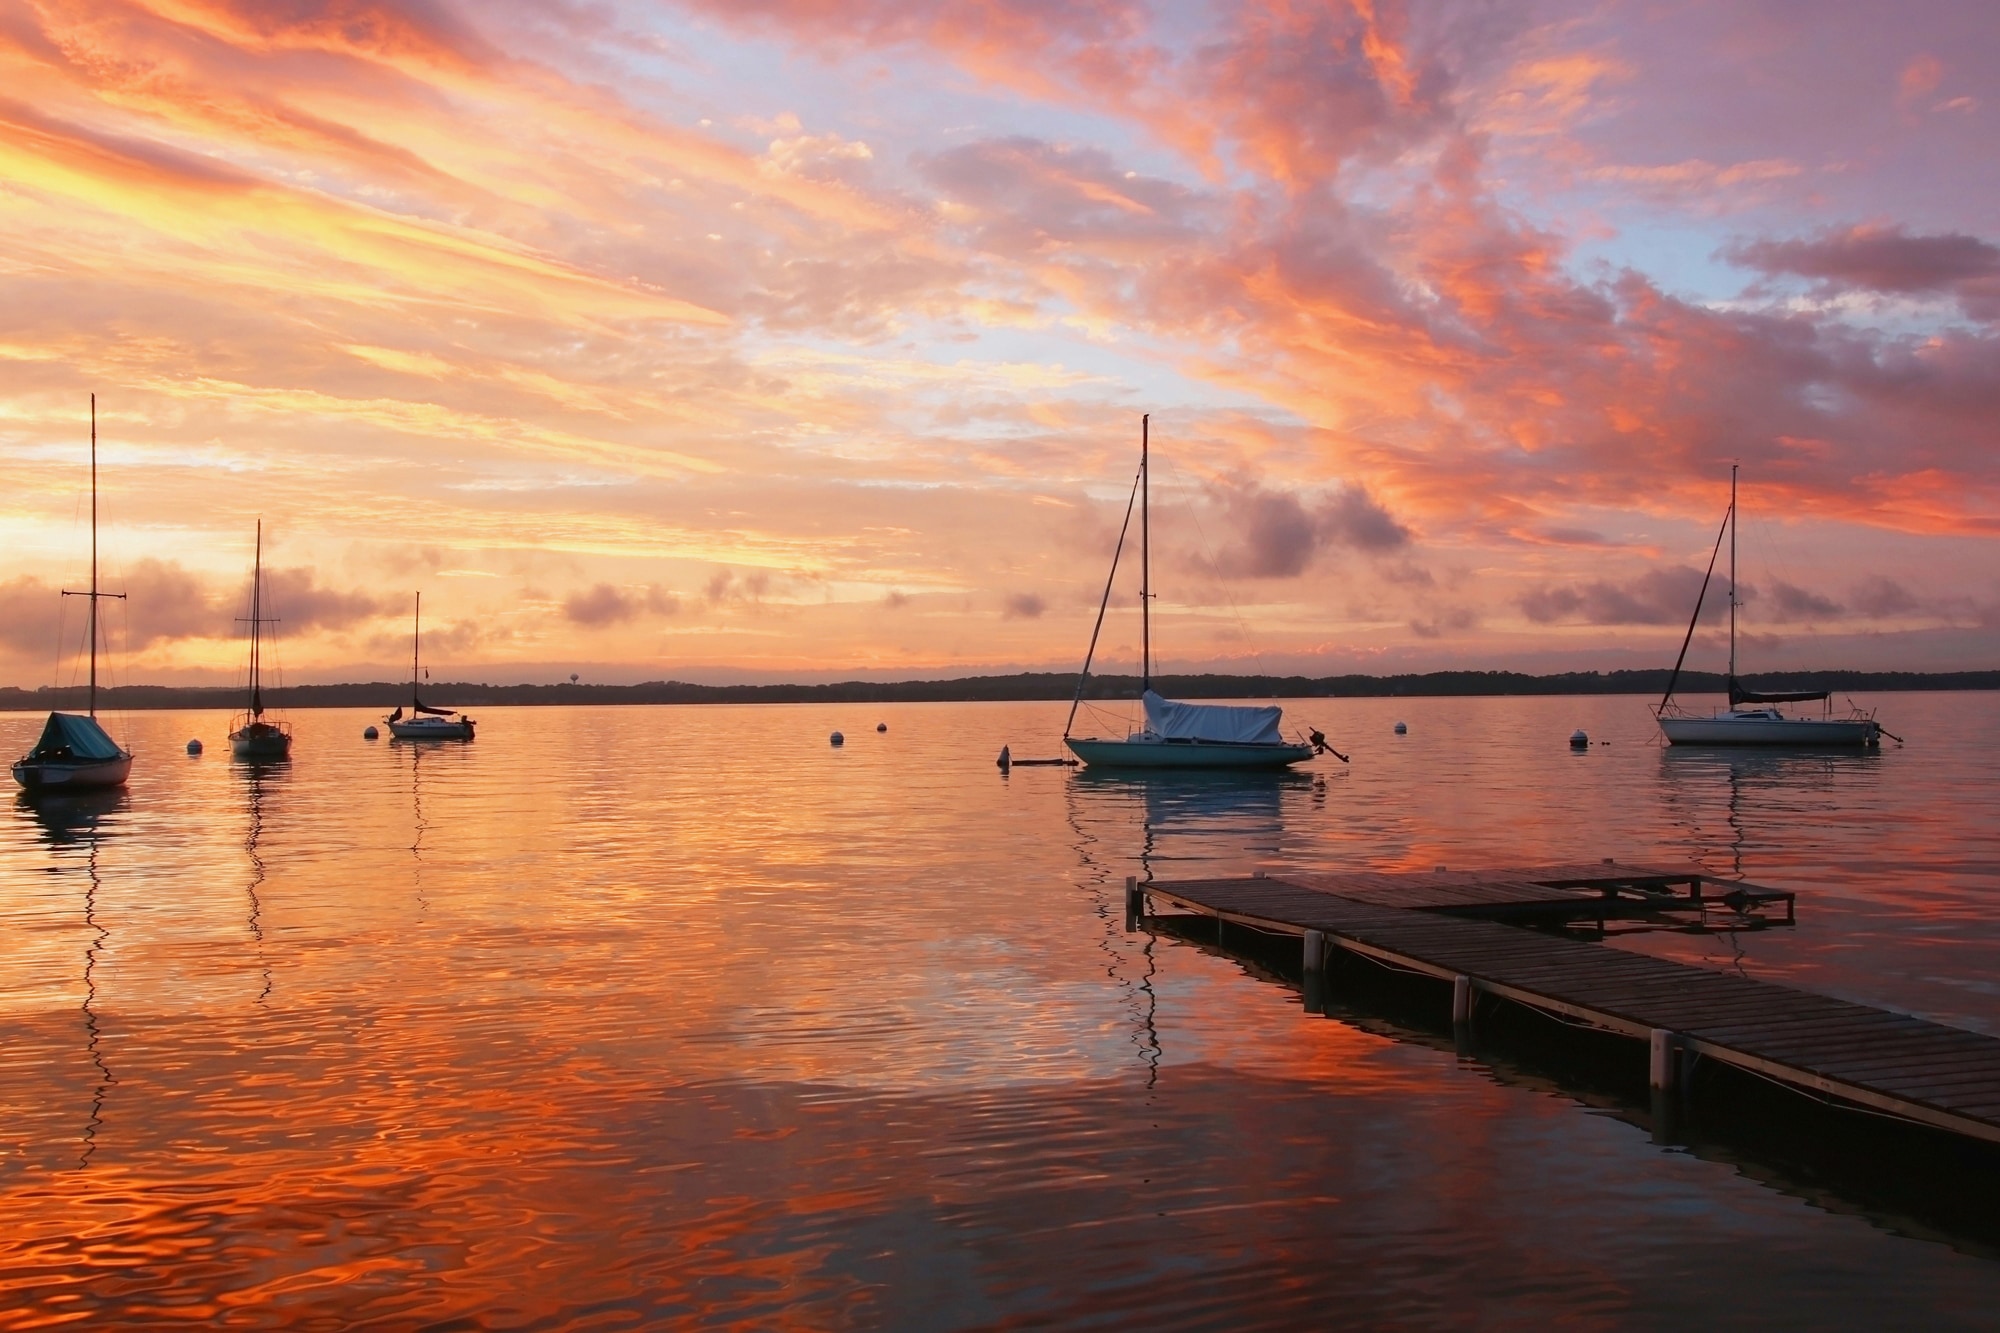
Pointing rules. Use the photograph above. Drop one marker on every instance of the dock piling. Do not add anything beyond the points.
(1314, 964)
(1135, 903)
(1666, 1048)
(1461, 1001)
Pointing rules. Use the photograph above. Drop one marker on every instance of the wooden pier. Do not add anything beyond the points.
(1891, 1063)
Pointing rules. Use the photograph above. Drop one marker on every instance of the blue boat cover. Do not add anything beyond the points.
(1213, 722)
(74, 736)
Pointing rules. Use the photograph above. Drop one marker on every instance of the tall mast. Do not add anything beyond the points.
(416, 638)
(256, 622)
(1145, 560)
(1732, 576)
(93, 555)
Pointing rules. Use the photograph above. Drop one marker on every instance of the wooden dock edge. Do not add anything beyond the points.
(1792, 1076)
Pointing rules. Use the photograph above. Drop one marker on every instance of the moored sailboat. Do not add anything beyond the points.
(424, 723)
(75, 751)
(255, 740)
(1753, 716)
(1176, 735)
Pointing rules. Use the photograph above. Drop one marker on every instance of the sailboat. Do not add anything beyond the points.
(74, 750)
(425, 723)
(255, 740)
(1753, 716)
(1176, 735)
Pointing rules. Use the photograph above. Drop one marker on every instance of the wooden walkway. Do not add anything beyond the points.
(1560, 892)
(1926, 1072)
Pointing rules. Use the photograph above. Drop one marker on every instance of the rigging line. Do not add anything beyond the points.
(1673, 679)
(1084, 675)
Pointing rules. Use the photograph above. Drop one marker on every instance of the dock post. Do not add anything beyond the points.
(1665, 1073)
(1314, 967)
(1135, 903)
(1461, 1001)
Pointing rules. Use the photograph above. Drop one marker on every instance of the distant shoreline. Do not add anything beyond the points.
(1023, 687)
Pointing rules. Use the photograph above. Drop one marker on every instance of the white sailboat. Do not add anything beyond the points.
(74, 750)
(424, 723)
(1753, 716)
(1176, 735)
(254, 740)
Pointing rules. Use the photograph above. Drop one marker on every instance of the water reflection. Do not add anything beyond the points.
(72, 822)
(1760, 798)
(1196, 818)
(260, 780)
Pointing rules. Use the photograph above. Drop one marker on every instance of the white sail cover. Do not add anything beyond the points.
(1213, 722)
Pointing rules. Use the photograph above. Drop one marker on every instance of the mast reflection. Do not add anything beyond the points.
(260, 781)
(72, 823)
(1178, 821)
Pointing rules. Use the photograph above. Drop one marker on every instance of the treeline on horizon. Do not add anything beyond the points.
(1025, 686)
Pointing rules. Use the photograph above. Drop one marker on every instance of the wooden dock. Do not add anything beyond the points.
(1920, 1071)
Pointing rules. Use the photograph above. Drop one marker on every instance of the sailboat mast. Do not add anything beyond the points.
(93, 555)
(1732, 577)
(1145, 559)
(416, 639)
(256, 622)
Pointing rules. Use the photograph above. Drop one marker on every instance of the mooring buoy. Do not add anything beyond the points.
(194, 747)
(836, 739)
(1402, 728)
(881, 726)
(370, 734)
(1006, 760)
(1578, 740)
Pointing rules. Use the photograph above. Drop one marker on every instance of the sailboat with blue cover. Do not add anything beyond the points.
(75, 751)
(1174, 734)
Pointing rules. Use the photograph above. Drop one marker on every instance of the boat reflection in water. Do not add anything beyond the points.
(261, 783)
(73, 824)
(1732, 803)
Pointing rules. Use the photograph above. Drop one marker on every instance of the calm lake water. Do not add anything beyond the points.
(628, 1017)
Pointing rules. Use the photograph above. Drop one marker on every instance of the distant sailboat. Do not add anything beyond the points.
(1752, 717)
(255, 740)
(1176, 735)
(74, 750)
(425, 723)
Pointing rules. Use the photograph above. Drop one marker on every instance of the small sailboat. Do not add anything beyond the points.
(1753, 716)
(424, 723)
(75, 751)
(1177, 735)
(254, 740)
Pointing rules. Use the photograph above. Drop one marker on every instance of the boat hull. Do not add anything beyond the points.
(431, 731)
(260, 747)
(1797, 732)
(1161, 754)
(72, 775)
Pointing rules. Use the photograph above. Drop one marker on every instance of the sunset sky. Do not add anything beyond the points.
(796, 339)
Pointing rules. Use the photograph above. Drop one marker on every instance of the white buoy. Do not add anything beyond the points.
(837, 739)
(1006, 760)
(1402, 728)
(370, 734)
(1578, 740)
(194, 747)
(881, 726)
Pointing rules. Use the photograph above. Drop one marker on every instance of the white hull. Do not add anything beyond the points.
(429, 730)
(1767, 728)
(1153, 752)
(72, 775)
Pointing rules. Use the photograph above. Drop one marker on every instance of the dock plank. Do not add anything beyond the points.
(1908, 1066)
